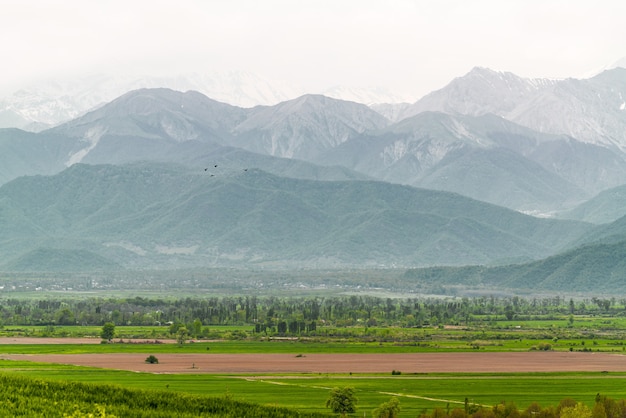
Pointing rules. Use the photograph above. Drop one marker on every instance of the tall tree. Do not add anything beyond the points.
(342, 401)
(181, 335)
(108, 331)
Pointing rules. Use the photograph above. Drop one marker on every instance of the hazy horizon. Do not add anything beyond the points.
(406, 47)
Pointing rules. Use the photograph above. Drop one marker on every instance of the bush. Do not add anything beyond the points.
(152, 359)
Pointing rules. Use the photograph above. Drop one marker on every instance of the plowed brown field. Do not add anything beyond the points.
(344, 363)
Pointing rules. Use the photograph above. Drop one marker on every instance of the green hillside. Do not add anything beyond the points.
(594, 268)
(60, 260)
(170, 216)
(606, 207)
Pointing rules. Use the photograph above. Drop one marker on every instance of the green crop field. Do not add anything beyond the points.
(308, 393)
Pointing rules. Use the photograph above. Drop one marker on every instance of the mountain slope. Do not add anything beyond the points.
(591, 110)
(479, 92)
(598, 268)
(606, 207)
(52, 102)
(60, 260)
(305, 127)
(485, 157)
(149, 122)
(165, 125)
(148, 125)
(147, 215)
(24, 153)
(605, 233)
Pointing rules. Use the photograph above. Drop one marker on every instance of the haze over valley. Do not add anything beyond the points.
(412, 147)
(159, 178)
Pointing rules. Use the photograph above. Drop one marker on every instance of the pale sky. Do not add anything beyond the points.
(407, 46)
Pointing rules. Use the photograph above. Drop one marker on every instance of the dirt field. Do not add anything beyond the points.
(32, 340)
(344, 363)
(42, 340)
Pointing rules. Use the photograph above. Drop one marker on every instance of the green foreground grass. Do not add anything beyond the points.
(308, 393)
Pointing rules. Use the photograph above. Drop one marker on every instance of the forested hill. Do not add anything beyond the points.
(592, 268)
(154, 215)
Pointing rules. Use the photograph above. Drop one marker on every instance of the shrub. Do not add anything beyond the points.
(152, 359)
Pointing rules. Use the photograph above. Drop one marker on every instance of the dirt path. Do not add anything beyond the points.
(343, 363)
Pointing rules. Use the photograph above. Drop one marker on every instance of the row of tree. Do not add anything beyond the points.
(295, 315)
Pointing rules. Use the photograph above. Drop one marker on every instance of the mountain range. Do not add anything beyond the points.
(591, 110)
(49, 103)
(485, 157)
(164, 178)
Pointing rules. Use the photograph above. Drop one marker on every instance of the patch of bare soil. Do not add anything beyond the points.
(343, 363)
(93, 340)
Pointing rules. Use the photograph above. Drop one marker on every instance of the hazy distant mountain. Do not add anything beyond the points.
(305, 127)
(368, 96)
(52, 102)
(167, 216)
(591, 110)
(166, 125)
(198, 189)
(392, 111)
(486, 158)
(24, 153)
(479, 92)
(620, 63)
(606, 207)
(149, 125)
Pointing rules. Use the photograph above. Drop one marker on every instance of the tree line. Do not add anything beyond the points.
(297, 315)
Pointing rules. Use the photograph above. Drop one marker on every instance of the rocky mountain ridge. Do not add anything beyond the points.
(49, 103)
(484, 157)
(591, 110)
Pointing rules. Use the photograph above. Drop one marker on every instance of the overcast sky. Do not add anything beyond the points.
(412, 47)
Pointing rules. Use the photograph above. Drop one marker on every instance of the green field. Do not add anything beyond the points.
(309, 392)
